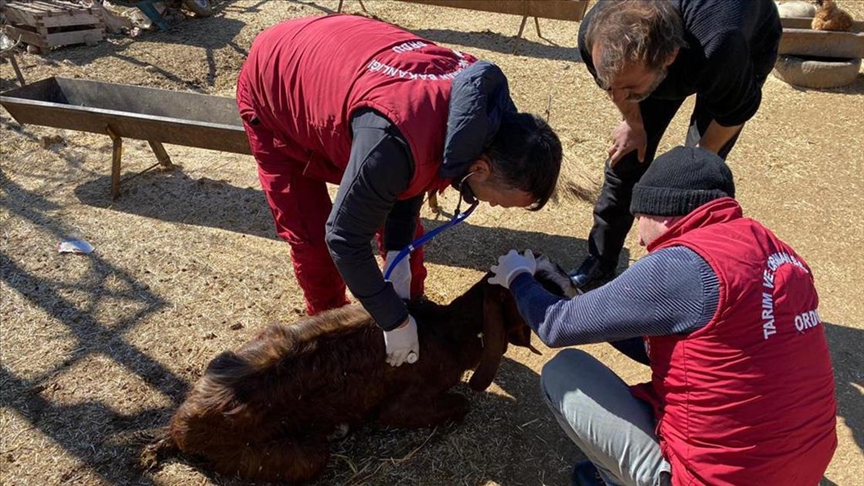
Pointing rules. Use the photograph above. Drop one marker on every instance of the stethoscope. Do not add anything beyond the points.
(458, 216)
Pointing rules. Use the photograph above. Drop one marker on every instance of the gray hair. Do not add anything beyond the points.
(633, 31)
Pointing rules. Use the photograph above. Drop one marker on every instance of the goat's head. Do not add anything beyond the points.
(502, 323)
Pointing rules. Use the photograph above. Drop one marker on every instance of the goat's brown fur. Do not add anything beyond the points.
(264, 412)
(831, 17)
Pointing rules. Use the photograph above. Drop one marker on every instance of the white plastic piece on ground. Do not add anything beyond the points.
(817, 72)
(75, 246)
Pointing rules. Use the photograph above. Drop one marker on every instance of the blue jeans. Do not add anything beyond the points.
(613, 429)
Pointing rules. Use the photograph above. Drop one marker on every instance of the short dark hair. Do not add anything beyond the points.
(633, 31)
(526, 155)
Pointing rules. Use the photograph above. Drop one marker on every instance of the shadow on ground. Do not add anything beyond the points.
(847, 356)
(175, 197)
(27, 397)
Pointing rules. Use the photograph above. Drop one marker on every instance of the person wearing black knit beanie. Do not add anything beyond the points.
(680, 181)
(723, 312)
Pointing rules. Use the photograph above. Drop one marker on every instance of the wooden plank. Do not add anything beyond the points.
(45, 8)
(52, 18)
(71, 20)
(27, 36)
(25, 7)
(19, 16)
(34, 7)
(88, 36)
(552, 9)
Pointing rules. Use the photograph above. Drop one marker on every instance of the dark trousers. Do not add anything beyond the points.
(612, 218)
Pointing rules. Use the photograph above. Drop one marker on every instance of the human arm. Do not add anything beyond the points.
(731, 87)
(717, 136)
(670, 291)
(630, 134)
(379, 169)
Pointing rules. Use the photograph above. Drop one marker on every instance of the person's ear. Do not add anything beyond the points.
(671, 58)
(669, 221)
(481, 169)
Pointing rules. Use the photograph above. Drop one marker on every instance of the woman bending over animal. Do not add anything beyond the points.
(264, 412)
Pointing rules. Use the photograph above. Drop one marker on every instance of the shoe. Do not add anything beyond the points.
(593, 273)
(586, 474)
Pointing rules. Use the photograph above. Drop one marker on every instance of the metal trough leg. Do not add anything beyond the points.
(522, 26)
(116, 154)
(17, 70)
(161, 155)
(525, 21)
(339, 8)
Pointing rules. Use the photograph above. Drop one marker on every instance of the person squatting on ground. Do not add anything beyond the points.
(650, 56)
(724, 313)
(387, 116)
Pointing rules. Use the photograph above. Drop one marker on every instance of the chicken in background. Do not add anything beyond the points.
(831, 17)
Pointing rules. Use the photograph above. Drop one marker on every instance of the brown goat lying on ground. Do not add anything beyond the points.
(265, 411)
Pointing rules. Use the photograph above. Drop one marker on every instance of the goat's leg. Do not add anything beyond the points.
(413, 412)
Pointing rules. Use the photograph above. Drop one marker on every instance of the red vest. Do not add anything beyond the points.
(748, 399)
(306, 77)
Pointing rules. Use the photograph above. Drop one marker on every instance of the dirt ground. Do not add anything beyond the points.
(98, 350)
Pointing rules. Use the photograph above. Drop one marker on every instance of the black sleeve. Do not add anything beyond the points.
(402, 223)
(739, 40)
(731, 91)
(379, 169)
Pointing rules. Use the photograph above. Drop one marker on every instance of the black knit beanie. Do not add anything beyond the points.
(680, 181)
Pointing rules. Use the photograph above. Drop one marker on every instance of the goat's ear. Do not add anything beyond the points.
(521, 336)
(494, 338)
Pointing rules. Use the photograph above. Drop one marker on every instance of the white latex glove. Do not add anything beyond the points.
(401, 276)
(510, 265)
(402, 344)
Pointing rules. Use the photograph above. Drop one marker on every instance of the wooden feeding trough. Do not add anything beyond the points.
(818, 59)
(156, 115)
(573, 10)
(43, 25)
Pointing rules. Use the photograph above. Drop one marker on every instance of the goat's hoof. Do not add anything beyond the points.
(339, 433)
